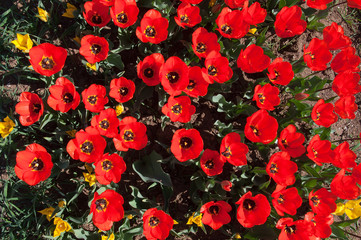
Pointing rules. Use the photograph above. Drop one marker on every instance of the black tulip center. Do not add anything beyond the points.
(185, 142)
(37, 164)
(249, 204)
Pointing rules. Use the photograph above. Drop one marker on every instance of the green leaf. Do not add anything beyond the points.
(311, 171)
(150, 170)
(346, 223)
(128, 235)
(311, 183)
(262, 37)
(116, 60)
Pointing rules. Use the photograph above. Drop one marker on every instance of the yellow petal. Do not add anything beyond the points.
(77, 39)
(198, 220)
(90, 178)
(111, 237)
(340, 210)
(47, 212)
(71, 133)
(70, 9)
(237, 236)
(61, 203)
(130, 216)
(43, 15)
(252, 30)
(119, 109)
(190, 220)
(175, 222)
(92, 66)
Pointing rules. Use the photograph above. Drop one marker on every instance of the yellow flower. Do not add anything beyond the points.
(252, 30)
(43, 15)
(353, 209)
(211, 3)
(6, 127)
(70, 9)
(23, 42)
(90, 178)
(77, 39)
(61, 204)
(71, 133)
(175, 222)
(130, 216)
(61, 226)
(88, 167)
(340, 210)
(47, 212)
(111, 237)
(197, 220)
(92, 66)
(237, 236)
(119, 109)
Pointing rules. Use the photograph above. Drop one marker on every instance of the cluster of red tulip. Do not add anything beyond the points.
(34, 164)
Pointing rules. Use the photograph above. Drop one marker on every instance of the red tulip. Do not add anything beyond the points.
(292, 230)
(318, 4)
(280, 72)
(156, 224)
(226, 185)
(215, 214)
(233, 151)
(96, 14)
(106, 123)
(132, 134)
(197, 84)
(186, 144)
(107, 208)
(281, 169)
(254, 14)
(346, 60)
(266, 96)
(217, 68)
(344, 156)
(252, 59)
(204, 42)
(291, 141)
(346, 107)
(153, 27)
(63, 95)
(317, 55)
(210, 162)
(33, 165)
(253, 210)
(94, 49)
(109, 168)
(323, 114)
(354, 4)
(322, 202)
(286, 200)
(47, 59)
(334, 37)
(346, 84)
(122, 89)
(179, 109)
(30, 107)
(261, 127)
(232, 23)
(124, 13)
(174, 76)
(345, 186)
(322, 224)
(187, 15)
(148, 69)
(94, 98)
(88, 146)
(235, 3)
(320, 151)
(289, 23)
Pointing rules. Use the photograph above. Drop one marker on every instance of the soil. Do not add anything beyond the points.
(203, 120)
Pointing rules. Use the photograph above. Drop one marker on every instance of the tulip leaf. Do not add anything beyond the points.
(116, 60)
(150, 170)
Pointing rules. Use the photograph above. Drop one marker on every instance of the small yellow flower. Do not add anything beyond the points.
(90, 178)
(353, 209)
(340, 210)
(88, 167)
(61, 226)
(252, 30)
(47, 212)
(43, 15)
(237, 236)
(211, 3)
(119, 109)
(61, 203)
(197, 220)
(92, 66)
(23, 42)
(130, 216)
(111, 237)
(77, 39)
(71, 133)
(175, 222)
(6, 127)
(70, 9)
